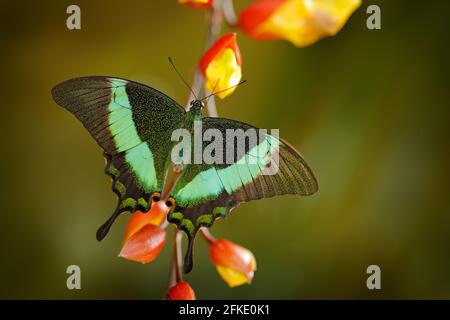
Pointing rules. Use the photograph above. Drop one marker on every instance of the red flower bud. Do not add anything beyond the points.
(145, 245)
(181, 291)
(196, 3)
(143, 238)
(156, 215)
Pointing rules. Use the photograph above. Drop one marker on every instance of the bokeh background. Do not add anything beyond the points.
(369, 110)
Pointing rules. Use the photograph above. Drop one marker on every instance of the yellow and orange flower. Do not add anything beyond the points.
(221, 65)
(235, 264)
(301, 22)
(181, 291)
(143, 238)
(196, 3)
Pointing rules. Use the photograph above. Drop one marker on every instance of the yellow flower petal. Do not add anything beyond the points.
(331, 15)
(222, 73)
(232, 277)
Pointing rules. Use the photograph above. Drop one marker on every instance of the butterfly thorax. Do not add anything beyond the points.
(194, 114)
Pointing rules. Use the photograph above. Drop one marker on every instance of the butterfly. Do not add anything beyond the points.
(133, 124)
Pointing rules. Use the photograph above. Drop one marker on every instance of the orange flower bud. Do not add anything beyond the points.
(156, 215)
(143, 238)
(181, 291)
(235, 264)
(301, 22)
(145, 245)
(196, 3)
(221, 65)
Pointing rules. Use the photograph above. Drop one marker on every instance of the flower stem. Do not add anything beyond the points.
(214, 27)
(215, 19)
(229, 13)
(176, 275)
(206, 234)
(170, 182)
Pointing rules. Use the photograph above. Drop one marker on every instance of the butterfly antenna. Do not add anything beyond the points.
(214, 93)
(214, 89)
(181, 77)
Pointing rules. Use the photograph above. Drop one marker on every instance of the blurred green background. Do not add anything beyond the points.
(368, 110)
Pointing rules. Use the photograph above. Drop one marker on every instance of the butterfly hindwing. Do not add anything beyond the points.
(133, 125)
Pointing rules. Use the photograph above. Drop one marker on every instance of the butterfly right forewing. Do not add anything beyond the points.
(133, 124)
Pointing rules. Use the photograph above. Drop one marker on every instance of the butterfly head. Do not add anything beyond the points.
(197, 106)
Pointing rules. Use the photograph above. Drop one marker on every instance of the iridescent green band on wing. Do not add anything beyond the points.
(137, 152)
(208, 184)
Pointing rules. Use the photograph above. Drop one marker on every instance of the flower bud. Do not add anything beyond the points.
(143, 238)
(221, 65)
(196, 3)
(181, 291)
(235, 264)
(301, 22)
(156, 215)
(145, 245)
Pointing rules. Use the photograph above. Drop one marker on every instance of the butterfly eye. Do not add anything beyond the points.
(156, 197)
(170, 202)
